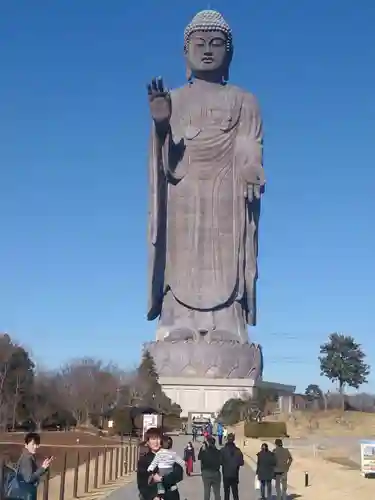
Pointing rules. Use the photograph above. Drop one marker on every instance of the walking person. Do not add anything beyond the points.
(210, 459)
(25, 481)
(284, 460)
(265, 471)
(220, 432)
(209, 428)
(231, 461)
(194, 432)
(189, 457)
(147, 481)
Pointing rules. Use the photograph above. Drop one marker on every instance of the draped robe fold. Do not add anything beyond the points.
(203, 215)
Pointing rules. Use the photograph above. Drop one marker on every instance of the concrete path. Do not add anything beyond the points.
(191, 488)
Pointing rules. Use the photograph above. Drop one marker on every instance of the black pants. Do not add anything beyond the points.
(220, 438)
(230, 484)
(265, 485)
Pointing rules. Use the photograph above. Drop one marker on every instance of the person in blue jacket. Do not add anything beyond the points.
(220, 433)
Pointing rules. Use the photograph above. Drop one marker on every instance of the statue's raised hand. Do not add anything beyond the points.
(160, 102)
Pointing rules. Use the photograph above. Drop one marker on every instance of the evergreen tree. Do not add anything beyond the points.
(313, 392)
(148, 380)
(147, 371)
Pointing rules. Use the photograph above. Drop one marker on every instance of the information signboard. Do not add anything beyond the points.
(149, 421)
(368, 457)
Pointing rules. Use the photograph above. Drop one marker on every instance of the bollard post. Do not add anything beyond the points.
(75, 478)
(116, 462)
(96, 470)
(111, 464)
(122, 455)
(104, 470)
(122, 460)
(134, 457)
(130, 463)
(126, 460)
(46, 484)
(306, 479)
(62, 479)
(87, 473)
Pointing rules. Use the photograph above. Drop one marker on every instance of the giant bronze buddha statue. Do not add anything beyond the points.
(206, 179)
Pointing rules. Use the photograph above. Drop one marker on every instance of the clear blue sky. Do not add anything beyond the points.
(73, 145)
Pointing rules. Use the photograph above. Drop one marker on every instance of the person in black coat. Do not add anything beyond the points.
(210, 459)
(266, 462)
(231, 461)
(146, 481)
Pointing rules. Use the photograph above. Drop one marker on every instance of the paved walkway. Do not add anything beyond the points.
(191, 488)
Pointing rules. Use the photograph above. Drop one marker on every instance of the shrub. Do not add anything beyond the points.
(265, 429)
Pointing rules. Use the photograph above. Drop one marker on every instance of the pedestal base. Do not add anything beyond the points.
(227, 360)
(202, 396)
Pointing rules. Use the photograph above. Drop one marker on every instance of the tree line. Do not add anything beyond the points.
(83, 391)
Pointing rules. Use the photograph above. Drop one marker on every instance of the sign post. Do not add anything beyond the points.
(150, 420)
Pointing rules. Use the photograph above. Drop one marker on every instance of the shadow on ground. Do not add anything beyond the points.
(345, 462)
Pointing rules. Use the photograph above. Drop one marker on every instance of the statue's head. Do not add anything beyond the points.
(208, 47)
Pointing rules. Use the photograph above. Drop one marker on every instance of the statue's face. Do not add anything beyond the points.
(207, 51)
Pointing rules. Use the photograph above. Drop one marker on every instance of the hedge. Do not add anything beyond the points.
(265, 429)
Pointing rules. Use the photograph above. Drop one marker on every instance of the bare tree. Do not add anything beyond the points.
(43, 398)
(16, 373)
(89, 388)
(6, 353)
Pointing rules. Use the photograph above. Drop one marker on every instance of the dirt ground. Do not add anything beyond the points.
(57, 444)
(332, 423)
(333, 435)
(333, 474)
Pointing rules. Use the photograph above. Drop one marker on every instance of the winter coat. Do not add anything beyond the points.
(210, 458)
(149, 491)
(266, 463)
(231, 460)
(189, 452)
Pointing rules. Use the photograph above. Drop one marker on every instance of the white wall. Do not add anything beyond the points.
(203, 399)
(208, 395)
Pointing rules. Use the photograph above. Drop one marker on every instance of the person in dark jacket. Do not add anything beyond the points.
(266, 462)
(194, 432)
(29, 474)
(146, 481)
(231, 461)
(210, 459)
(189, 457)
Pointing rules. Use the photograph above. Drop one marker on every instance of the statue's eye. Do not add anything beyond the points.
(217, 42)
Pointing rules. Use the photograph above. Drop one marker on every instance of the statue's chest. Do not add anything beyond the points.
(205, 116)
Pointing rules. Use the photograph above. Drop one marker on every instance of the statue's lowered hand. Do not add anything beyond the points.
(160, 102)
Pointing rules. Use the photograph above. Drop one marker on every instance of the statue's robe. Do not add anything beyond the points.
(203, 217)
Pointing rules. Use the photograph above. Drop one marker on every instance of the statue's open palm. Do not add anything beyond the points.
(160, 101)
